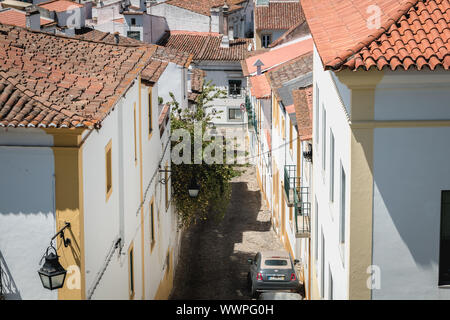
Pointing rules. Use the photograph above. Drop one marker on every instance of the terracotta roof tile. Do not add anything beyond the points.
(204, 6)
(153, 71)
(278, 15)
(59, 5)
(413, 34)
(278, 56)
(17, 18)
(260, 87)
(165, 54)
(290, 70)
(70, 82)
(206, 46)
(303, 101)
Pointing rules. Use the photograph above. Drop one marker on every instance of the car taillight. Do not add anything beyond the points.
(293, 278)
(259, 276)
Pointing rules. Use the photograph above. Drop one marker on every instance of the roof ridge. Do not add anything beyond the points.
(337, 62)
(76, 37)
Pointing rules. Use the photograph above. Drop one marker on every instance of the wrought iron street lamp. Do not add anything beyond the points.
(52, 273)
(194, 188)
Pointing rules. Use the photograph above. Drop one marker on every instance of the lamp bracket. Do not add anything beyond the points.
(61, 234)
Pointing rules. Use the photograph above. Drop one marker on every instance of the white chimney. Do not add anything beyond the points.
(231, 33)
(33, 19)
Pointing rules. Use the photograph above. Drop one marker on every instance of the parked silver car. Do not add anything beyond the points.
(276, 295)
(272, 270)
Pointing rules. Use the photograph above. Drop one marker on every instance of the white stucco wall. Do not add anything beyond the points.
(410, 171)
(27, 213)
(328, 212)
(181, 19)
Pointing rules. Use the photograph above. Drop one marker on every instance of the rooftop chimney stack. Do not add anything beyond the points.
(33, 19)
(225, 40)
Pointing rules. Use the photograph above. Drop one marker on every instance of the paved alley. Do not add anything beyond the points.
(213, 259)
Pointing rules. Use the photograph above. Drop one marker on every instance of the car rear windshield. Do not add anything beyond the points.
(275, 262)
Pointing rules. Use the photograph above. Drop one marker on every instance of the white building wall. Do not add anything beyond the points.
(27, 213)
(328, 212)
(410, 171)
(182, 19)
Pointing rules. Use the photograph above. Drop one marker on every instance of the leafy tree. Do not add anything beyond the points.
(213, 179)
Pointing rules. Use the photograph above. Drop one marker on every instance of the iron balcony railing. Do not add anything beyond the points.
(251, 114)
(297, 196)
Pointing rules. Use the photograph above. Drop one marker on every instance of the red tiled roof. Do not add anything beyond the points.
(290, 33)
(197, 81)
(260, 87)
(413, 34)
(303, 111)
(17, 18)
(278, 56)
(153, 71)
(204, 6)
(278, 16)
(206, 46)
(57, 81)
(178, 57)
(290, 70)
(59, 5)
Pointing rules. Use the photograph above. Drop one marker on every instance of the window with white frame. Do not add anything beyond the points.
(331, 165)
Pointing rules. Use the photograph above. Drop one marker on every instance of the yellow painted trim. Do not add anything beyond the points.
(108, 148)
(68, 164)
(131, 273)
(399, 124)
(360, 209)
(141, 187)
(166, 284)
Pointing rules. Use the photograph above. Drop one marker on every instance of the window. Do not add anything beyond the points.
(317, 115)
(234, 87)
(324, 137)
(444, 249)
(266, 40)
(135, 134)
(166, 186)
(342, 208)
(331, 166)
(150, 110)
(131, 272)
(152, 224)
(134, 35)
(133, 21)
(236, 114)
(108, 165)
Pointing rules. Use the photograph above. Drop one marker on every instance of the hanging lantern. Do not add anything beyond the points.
(52, 273)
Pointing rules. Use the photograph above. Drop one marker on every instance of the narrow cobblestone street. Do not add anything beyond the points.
(213, 260)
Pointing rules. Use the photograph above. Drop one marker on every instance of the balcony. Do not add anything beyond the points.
(298, 197)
